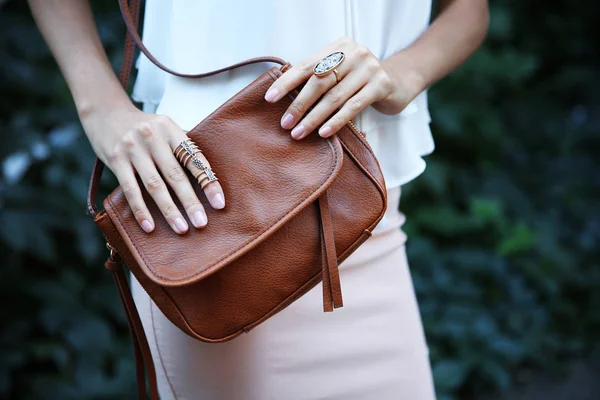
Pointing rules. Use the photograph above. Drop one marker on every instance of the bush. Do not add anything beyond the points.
(504, 224)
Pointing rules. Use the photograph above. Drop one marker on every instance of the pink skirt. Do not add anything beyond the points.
(371, 349)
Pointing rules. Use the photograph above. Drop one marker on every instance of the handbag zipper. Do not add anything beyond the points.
(356, 129)
(361, 135)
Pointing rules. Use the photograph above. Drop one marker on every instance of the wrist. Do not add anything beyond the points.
(103, 115)
(88, 108)
(408, 82)
(413, 80)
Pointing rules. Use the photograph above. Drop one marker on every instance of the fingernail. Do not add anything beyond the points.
(271, 94)
(219, 201)
(287, 121)
(325, 131)
(147, 226)
(199, 219)
(181, 225)
(298, 131)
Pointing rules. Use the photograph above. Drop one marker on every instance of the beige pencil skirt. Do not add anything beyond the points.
(371, 349)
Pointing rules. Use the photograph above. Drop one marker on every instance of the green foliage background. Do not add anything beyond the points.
(503, 226)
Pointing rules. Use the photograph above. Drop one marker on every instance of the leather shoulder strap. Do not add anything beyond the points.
(132, 25)
(130, 10)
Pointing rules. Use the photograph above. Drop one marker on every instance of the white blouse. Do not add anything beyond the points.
(193, 36)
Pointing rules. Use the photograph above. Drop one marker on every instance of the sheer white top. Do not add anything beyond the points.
(193, 36)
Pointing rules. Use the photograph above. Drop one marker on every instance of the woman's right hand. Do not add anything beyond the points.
(130, 142)
(126, 139)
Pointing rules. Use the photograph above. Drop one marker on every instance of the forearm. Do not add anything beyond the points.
(455, 34)
(70, 31)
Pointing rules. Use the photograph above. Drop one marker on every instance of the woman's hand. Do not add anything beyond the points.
(127, 140)
(132, 142)
(364, 81)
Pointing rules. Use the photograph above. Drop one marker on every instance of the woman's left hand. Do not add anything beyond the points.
(363, 82)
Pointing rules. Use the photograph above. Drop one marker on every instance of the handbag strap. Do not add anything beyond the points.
(130, 10)
(141, 348)
(132, 24)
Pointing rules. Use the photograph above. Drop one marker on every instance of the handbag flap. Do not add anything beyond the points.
(267, 178)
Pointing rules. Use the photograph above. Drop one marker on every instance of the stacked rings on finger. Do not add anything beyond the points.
(185, 152)
(205, 177)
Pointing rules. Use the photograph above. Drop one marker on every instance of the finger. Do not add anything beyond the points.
(349, 110)
(176, 177)
(131, 190)
(213, 190)
(308, 96)
(299, 73)
(157, 188)
(335, 98)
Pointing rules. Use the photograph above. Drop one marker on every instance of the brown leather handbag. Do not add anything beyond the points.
(295, 210)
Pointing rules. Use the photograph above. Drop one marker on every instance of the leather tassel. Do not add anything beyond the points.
(332, 290)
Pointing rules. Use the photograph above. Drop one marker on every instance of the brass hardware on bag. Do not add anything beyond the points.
(113, 251)
(112, 262)
(285, 67)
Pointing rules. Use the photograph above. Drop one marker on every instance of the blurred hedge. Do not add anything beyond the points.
(503, 226)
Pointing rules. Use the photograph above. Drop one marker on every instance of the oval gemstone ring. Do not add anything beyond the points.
(328, 64)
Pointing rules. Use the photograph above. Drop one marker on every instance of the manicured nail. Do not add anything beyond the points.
(288, 121)
(298, 131)
(147, 226)
(219, 201)
(199, 219)
(181, 225)
(271, 94)
(324, 131)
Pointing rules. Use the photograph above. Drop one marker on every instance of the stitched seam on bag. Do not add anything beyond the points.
(244, 329)
(192, 331)
(233, 252)
(269, 313)
(276, 308)
(381, 190)
(356, 159)
(273, 310)
(365, 170)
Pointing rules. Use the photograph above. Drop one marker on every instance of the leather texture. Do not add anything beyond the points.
(295, 210)
(270, 241)
(267, 177)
